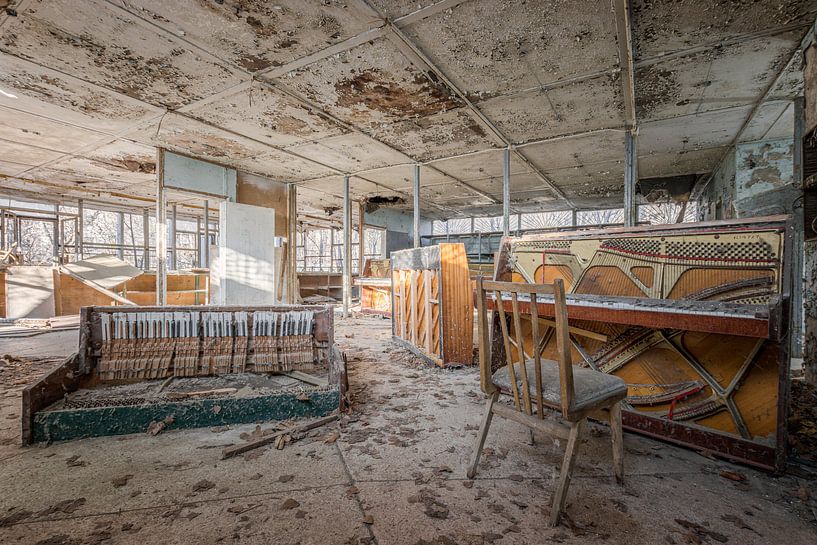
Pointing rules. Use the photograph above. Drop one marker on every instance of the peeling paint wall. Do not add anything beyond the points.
(764, 179)
(755, 179)
(716, 202)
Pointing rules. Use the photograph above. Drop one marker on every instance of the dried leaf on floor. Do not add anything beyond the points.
(202, 485)
(121, 481)
(733, 476)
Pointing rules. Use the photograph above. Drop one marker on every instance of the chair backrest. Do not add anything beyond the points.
(534, 301)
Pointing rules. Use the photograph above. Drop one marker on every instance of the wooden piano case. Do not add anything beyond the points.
(375, 287)
(694, 317)
(432, 311)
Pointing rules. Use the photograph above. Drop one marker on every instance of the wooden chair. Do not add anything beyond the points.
(538, 384)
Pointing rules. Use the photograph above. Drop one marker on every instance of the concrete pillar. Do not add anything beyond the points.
(347, 248)
(630, 179)
(161, 231)
(145, 239)
(416, 209)
(120, 234)
(506, 191)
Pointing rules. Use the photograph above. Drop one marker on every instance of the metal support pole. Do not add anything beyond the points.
(79, 251)
(145, 239)
(56, 233)
(331, 251)
(174, 254)
(416, 209)
(206, 234)
(361, 231)
(506, 191)
(630, 179)
(292, 215)
(120, 234)
(519, 224)
(798, 217)
(347, 247)
(574, 216)
(161, 231)
(198, 242)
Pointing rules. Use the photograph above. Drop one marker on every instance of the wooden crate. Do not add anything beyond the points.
(432, 303)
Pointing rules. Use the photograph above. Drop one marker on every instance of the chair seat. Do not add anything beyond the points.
(592, 388)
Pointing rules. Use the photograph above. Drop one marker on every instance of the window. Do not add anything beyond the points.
(600, 217)
(667, 212)
(321, 250)
(546, 220)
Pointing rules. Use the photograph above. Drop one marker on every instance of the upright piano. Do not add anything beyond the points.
(694, 317)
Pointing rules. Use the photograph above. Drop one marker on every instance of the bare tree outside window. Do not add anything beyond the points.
(600, 217)
(667, 212)
(546, 220)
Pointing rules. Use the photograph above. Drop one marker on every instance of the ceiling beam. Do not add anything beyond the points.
(418, 58)
(732, 40)
(621, 9)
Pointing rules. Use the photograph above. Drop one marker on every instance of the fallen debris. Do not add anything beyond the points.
(156, 427)
(699, 533)
(229, 452)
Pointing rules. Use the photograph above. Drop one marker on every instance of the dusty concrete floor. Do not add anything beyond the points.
(395, 475)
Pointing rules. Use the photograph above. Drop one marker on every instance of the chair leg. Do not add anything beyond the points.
(618, 442)
(483, 433)
(567, 470)
(531, 437)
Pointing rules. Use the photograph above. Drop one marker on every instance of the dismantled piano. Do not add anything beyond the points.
(188, 367)
(694, 317)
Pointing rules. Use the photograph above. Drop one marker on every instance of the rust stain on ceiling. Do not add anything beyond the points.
(371, 89)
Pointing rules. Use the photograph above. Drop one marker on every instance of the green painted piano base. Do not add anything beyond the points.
(68, 424)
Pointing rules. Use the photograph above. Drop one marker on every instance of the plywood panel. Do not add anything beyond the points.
(30, 292)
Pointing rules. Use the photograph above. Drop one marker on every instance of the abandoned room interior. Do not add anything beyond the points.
(413, 272)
